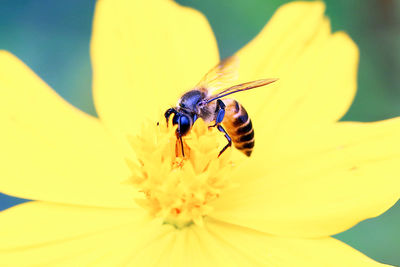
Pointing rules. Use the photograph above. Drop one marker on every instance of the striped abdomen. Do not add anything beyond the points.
(238, 125)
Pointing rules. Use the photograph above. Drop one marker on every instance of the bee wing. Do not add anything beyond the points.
(240, 87)
(220, 76)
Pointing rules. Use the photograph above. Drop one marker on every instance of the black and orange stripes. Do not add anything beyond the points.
(238, 125)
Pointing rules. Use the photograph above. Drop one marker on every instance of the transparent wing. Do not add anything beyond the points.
(240, 87)
(220, 76)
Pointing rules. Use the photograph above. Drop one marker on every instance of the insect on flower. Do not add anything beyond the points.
(205, 101)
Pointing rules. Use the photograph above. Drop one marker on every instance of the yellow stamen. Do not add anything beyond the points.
(180, 190)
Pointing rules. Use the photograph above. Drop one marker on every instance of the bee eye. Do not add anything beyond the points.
(184, 125)
(183, 122)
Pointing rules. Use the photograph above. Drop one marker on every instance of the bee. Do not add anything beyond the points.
(205, 101)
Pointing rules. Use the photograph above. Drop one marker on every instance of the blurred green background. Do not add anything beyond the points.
(52, 37)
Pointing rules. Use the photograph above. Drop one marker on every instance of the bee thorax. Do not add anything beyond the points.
(190, 101)
(207, 112)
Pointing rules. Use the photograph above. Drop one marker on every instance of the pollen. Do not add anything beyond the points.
(179, 189)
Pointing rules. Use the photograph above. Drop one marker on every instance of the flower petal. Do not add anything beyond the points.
(39, 233)
(318, 182)
(65, 235)
(52, 151)
(219, 244)
(145, 54)
(317, 71)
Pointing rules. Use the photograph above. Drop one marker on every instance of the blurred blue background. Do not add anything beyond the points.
(52, 37)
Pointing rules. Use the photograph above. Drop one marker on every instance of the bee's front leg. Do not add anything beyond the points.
(168, 113)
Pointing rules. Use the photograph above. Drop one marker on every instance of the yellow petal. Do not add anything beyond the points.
(145, 54)
(52, 151)
(318, 182)
(317, 71)
(219, 244)
(45, 234)
(39, 233)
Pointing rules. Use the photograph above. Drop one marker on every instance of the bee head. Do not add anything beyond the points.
(184, 123)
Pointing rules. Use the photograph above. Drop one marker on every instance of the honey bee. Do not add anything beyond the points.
(205, 101)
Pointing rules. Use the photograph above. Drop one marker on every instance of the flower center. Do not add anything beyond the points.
(178, 189)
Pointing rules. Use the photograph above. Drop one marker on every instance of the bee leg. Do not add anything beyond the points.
(222, 130)
(183, 151)
(168, 113)
(220, 110)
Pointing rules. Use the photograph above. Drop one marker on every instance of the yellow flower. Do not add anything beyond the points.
(309, 177)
